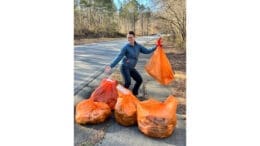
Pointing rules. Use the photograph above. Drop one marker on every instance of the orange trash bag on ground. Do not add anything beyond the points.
(157, 119)
(159, 66)
(106, 92)
(90, 112)
(125, 109)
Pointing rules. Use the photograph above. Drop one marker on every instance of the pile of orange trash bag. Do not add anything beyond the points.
(157, 119)
(125, 109)
(106, 92)
(90, 112)
(159, 66)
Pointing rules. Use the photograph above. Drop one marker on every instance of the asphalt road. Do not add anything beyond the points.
(90, 59)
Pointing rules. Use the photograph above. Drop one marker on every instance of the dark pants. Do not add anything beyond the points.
(127, 74)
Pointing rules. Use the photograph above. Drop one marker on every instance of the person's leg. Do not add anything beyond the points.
(126, 75)
(137, 77)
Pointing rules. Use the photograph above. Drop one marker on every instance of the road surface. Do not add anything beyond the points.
(90, 59)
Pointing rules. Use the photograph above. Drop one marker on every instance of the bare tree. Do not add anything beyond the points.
(173, 14)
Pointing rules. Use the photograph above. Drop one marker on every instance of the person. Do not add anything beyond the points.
(130, 53)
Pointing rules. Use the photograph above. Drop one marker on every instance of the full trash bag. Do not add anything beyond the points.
(106, 92)
(90, 112)
(159, 66)
(157, 119)
(125, 109)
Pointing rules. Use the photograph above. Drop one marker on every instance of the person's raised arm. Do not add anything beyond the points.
(147, 51)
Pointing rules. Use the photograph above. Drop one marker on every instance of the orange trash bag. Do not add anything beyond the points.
(106, 92)
(159, 66)
(157, 119)
(125, 109)
(90, 112)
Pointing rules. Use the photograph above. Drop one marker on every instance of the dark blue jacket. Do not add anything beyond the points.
(130, 54)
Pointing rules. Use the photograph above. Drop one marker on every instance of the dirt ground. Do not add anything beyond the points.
(177, 58)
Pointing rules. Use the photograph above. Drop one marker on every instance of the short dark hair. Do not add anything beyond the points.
(131, 32)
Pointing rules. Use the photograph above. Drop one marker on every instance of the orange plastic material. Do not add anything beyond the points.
(125, 109)
(157, 119)
(106, 92)
(90, 112)
(159, 66)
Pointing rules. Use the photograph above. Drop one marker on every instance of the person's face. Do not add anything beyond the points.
(130, 38)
